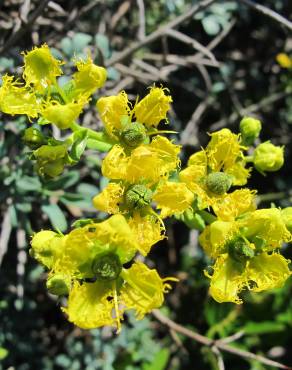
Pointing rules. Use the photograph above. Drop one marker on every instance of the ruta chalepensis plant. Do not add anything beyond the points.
(95, 265)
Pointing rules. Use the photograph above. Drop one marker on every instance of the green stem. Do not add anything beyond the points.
(271, 196)
(208, 218)
(248, 158)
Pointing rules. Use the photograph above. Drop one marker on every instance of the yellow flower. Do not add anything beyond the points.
(110, 198)
(62, 115)
(159, 158)
(88, 78)
(111, 110)
(92, 305)
(173, 198)
(153, 107)
(41, 68)
(284, 60)
(260, 273)
(17, 99)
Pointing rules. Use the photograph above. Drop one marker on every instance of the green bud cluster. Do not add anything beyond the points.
(58, 285)
(138, 196)
(219, 182)
(50, 160)
(133, 134)
(106, 267)
(240, 250)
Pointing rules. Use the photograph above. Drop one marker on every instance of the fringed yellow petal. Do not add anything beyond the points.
(227, 280)
(223, 150)
(111, 109)
(110, 198)
(88, 78)
(284, 60)
(153, 108)
(239, 173)
(173, 198)
(46, 245)
(268, 225)
(234, 204)
(215, 236)
(167, 152)
(268, 271)
(198, 159)
(193, 174)
(17, 99)
(115, 164)
(148, 230)
(89, 306)
(62, 115)
(143, 289)
(41, 68)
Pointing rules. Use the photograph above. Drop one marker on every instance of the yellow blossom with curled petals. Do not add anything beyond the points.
(234, 204)
(153, 108)
(88, 77)
(17, 99)
(114, 165)
(111, 109)
(148, 229)
(41, 68)
(284, 60)
(144, 289)
(262, 272)
(173, 198)
(266, 224)
(62, 115)
(110, 198)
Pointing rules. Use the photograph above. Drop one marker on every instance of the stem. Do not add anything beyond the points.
(271, 196)
(208, 218)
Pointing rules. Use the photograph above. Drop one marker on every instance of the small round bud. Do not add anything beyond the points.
(250, 129)
(240, 250)
(138, 196)
(268, 157)
(219, 182)
(106, 267)
(58, 284)
(33, 138)
(133, 134)
(286, 214)
(43, 247)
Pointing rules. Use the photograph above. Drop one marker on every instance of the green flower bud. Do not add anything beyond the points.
(286, 214)
(133, 134)
(58, 284)
(33, 138)
(138, 196)
(219, 182)
(50, 160)
(239, 250)
(106, 267)
(250, 129)
(268, 157)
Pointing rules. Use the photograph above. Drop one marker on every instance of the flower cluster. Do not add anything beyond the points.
(95, 264)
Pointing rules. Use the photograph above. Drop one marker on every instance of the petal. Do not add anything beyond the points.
(234, 204)
(17, 99)
(227, 281)
(239, 173)
(89, 306)
(167, 153)
(268, 271)
(110, 198)
(143, 289)
(153, 108)
(173, 198)
(41, 68)
(111, 109)
(115, 164)
(198, 159)
(148, 230)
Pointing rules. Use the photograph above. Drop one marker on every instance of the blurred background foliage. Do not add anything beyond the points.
(212, 88)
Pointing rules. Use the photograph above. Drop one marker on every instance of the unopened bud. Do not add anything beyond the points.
(240, 250)
(50, 160)
(250, 129)
(138, 196)
(58, 284)
(268, 157)
(133, 134)
(106, 267)
(219, 182)
(33, 138)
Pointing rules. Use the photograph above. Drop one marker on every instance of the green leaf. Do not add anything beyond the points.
(65, 181)
(101, 146)
(102, 42)
(87, 189)
(160, 360)
(211, 25)
(80, 41)
(56, 216)
(79, 145)
(263, 327)
(28, 183)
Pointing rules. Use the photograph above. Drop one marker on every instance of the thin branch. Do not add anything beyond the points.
(161, 31)
(215, 343)
(6, 228)
(268, 12)
(141, 30)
